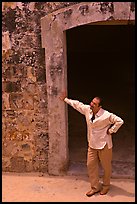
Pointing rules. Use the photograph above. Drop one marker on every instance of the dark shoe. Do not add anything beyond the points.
(104, 191)
(92, 192)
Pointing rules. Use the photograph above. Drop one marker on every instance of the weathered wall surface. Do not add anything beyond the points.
(25, 141)
(24, 107)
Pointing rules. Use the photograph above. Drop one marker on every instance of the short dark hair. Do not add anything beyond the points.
(100, 100)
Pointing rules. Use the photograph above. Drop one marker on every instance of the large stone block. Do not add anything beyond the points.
(12, 86)
(21, 101)
(18, 164)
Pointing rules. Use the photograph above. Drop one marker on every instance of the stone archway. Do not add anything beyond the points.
(53, 27)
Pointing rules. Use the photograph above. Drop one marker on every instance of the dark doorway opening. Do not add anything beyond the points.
(100, 61)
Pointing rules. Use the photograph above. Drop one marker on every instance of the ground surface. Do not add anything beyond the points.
(30, 187)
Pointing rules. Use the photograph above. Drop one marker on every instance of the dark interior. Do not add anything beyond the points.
(101, 61)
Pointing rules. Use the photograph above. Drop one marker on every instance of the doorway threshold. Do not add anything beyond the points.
(120, 169)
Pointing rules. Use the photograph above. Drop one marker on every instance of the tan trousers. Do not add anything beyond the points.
(94, 156)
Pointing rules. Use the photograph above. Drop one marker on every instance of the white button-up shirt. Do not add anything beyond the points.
(97, 130)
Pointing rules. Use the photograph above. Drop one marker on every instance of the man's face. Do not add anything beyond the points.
(94, 105)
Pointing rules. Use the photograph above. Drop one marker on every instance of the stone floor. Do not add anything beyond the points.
(33, 187)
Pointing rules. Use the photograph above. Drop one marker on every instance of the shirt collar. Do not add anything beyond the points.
(100, 112)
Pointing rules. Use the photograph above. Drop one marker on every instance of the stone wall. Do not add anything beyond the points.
(24, 106)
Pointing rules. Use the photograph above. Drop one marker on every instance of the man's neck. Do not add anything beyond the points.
(95, 112)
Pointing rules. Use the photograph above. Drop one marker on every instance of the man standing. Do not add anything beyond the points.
(100, 126)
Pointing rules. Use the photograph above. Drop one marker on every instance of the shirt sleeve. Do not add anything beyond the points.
(116, 121)
(79, 106)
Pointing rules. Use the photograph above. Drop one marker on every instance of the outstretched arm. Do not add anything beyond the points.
(79, 106)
